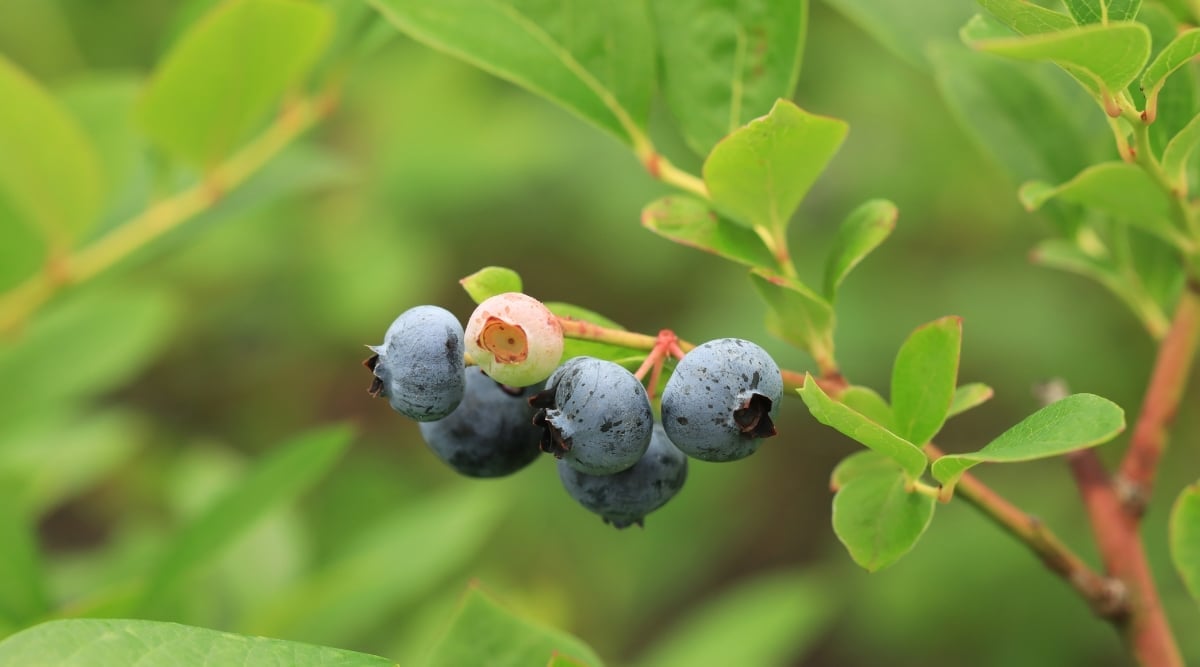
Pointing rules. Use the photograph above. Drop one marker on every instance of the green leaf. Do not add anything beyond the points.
(49, 172)
(690, 222)
(24, 599)
(969, 396)
(866, 401)
(594, 58)
(1025, 117)
(879, 519)
(862, 231)
(1120, 189)
(1103, 11)
(772, 619)
(1027, 18)
(1076, 422)
(1179, 150)
(1109, 57)
(484, 633)
(861, 429)
(274, 481)
(1182, 49)
(796, 314)
(490, 281)
(923, 379)
(435, 537)
(859, 464)
(725, 62)
(1185, 538)
(760, 173)
(222, 77)
(120, 643)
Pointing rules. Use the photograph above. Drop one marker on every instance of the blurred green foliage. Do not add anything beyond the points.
(134, 404)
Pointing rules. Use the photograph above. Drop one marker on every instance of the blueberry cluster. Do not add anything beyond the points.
(593, 415)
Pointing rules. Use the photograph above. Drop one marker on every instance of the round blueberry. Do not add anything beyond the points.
(719, 402)
(419, 367)
(596, 416)
(625, 498)
(490, 434)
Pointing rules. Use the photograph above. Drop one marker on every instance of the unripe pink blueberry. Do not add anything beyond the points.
(515, 339)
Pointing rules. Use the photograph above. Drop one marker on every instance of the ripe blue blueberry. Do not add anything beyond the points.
(718, 404)
(596, 416)
(490, 434)
(419, 367)
(625, 498)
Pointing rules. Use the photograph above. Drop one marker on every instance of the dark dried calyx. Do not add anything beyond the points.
(754, 418)
(552, 441)
(376, 388)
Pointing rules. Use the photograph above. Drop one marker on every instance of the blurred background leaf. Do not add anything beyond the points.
(134, 401)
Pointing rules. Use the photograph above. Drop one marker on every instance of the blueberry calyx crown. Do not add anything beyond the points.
(376, 388)
(754, 418)
(552, 441)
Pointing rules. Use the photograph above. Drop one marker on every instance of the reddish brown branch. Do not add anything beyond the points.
(1144, 626)
(1172, 367)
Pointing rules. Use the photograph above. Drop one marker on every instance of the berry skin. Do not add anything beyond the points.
(596, 415)
(515, 339)
(490, 434)
(625, 498)
(419, 367)
(718, 404)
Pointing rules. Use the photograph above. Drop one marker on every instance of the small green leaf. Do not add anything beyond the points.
(969, 396)
(120, 643)
(861, 429)
(724, 63)
(24, 599)
(1108, 56)
(484, 633)
(862, 231)
(760, 173)
(923, 379)
(879, 519)
(275, 480)
(221, 78)
(1185, 538)
(49, 172)
(1182, 49)
(771, 619)
(859, 464)
(872, 406)
(690, 222)
(796, 314)
(1027, 18)
(596, 59)
(1076, 422)
(490, 281)
(1103, 11)
(1179, 150)
(1120, 189)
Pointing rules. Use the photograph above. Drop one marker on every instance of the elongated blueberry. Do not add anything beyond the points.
(419, 367)
(719, 402)
(490, 434)
(596, 416)
(625, 498)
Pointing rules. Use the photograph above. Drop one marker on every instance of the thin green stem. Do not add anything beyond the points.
(21, 302)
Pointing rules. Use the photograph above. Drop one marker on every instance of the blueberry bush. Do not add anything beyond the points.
(208, 207)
